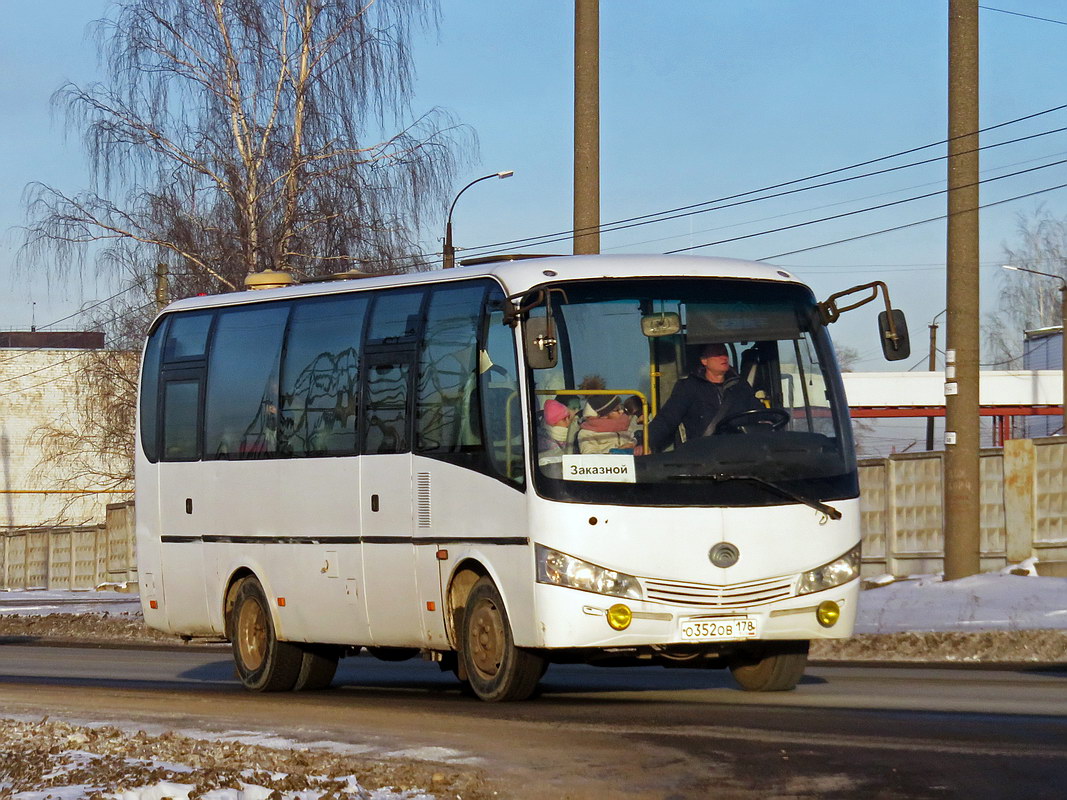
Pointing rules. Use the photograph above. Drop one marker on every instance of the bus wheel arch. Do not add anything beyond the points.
(229, 596)
(466, 574)
(264, 662)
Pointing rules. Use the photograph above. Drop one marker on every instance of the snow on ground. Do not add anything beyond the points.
(51, 760)
(994, 601)
(38, 602)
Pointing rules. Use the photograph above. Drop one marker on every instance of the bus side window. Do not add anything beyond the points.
(187, 337)
(320, 376)
(390, 356)
(241, 411)
(501, 404)
(448, 368)
(181, 417)
(149, 403)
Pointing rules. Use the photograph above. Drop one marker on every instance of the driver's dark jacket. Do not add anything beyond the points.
(696, 403)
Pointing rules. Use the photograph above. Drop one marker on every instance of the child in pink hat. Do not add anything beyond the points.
(554, 434)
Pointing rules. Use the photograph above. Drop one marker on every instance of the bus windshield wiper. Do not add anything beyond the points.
(722, 477)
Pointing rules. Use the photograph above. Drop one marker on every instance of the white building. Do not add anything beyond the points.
(39, 373)
(1043, 349)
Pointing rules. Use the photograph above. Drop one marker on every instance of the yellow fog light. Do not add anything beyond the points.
(619, 617)
(828, 613)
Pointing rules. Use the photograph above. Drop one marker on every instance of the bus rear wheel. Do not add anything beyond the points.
(318, 665)
(496, 670)
(264, 664)
(770, 666)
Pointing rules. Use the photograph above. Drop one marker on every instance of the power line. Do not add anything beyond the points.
(832, 205)
(136, 283)
(912, 224)
(680, 211)
(844, 214)
(1019, 14)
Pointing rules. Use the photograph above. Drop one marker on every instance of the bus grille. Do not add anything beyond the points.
(730, 596)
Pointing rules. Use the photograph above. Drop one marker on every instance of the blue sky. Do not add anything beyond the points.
(699, 99)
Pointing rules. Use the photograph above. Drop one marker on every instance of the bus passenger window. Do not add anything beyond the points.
(386, 409)
(501, 406)
(396, 317)
(320, 376)
(187, 336)
(149, 401)
(241, 414)
(448, 371)
(181, 412)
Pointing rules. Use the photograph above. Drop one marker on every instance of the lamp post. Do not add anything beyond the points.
(1063, 323)
(449, 249)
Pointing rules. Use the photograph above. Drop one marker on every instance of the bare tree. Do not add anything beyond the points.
(90, 448)
(1027, 302)
(239, 135)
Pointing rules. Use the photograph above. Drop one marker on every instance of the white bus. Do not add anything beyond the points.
(363, 463)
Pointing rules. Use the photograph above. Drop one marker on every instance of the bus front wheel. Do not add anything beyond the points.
(770, 666)
(495, 668)
(264, 664)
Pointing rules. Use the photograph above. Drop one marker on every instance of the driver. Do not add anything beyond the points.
(709, 395)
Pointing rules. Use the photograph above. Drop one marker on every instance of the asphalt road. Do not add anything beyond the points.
(600, 733)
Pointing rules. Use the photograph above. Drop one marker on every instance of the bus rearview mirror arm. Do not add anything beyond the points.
(892, 326)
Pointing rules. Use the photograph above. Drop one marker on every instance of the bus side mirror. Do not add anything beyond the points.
(539, 338)
(893, 333)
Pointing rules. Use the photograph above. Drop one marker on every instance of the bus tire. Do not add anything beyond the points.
(496, 670)
(770, 667)
(264, 664)
(318, 665)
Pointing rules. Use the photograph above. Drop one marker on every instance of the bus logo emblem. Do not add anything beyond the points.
(724, 555)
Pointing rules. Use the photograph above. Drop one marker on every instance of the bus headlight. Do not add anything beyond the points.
(560, 569)
(839, 571)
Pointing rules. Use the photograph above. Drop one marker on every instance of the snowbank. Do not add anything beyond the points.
(998, 601)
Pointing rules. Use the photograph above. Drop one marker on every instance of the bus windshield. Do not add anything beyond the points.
(713, 392)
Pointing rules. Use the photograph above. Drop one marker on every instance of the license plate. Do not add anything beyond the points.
(717, 630)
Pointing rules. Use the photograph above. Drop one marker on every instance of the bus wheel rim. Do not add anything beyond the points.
(252, 635)
(487, 639)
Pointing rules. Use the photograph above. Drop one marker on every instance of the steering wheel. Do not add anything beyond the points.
(755, 419)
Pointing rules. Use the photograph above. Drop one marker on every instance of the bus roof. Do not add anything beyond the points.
(518, 275)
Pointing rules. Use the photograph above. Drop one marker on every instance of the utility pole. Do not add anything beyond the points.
(961, 471)
(586, 126)
(162, 286)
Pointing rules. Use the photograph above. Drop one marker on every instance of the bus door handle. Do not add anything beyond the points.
(374, 503)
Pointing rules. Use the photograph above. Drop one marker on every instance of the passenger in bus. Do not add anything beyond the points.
(711, 393)
(554, 434)
(636, 412)
(556, 421)
(607, 428)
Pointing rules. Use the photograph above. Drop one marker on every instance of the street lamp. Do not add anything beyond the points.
(933, 368)
(449, 250)
(1063, 323)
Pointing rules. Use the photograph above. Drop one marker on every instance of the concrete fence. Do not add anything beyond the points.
(71, 557)
(1022, 501)
(1023, 511)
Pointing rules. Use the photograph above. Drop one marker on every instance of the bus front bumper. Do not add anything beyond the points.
(570, 618)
